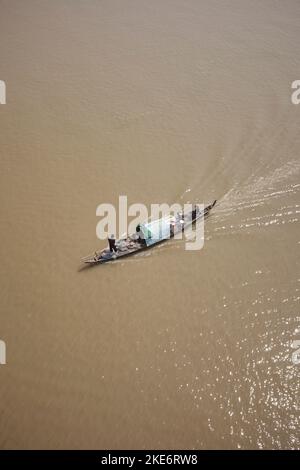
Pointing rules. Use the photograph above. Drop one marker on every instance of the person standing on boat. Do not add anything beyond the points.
(112, 243)
(195, 211)
(140, 234)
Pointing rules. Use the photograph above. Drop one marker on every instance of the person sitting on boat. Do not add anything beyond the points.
(179, 221)
(142, 237)
(172, 228)
(112, 243)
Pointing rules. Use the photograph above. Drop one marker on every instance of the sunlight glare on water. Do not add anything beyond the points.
(164, 101)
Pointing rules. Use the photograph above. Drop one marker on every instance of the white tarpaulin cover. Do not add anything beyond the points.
(156, 230)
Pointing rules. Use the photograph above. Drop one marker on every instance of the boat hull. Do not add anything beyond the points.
(109, 257)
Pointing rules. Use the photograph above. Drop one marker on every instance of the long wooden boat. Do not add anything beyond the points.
(131, 245)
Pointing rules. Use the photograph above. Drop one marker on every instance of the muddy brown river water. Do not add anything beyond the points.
(162, 101)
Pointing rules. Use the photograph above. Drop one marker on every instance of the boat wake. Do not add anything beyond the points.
(261, 202)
